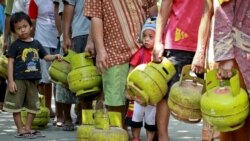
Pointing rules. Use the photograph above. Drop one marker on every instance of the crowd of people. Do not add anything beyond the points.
(120, 35)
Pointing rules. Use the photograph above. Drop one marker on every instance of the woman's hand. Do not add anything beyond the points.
(198, 63)
(225, 69)
(158, 52)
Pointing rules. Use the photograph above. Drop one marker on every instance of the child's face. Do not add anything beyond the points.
(23, 29)
(148, 38)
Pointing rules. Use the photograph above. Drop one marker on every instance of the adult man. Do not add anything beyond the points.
(116, 27)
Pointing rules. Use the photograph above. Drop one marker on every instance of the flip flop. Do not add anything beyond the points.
(25, 135)
(37, 133)
(59, 124)
(68, 127)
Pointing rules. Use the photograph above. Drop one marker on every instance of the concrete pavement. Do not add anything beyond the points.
(178, 131)
(52, 133)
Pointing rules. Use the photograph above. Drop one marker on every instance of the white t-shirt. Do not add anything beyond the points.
(46, 31)
(20, 5)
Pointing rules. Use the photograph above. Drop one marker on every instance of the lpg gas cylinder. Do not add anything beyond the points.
(147, 83)
(185, 95)
(59, 70)
(225, 105)
(84, 78)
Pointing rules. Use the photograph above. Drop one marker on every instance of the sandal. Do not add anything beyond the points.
(25, 135)
(69, 126)
(59, 124)
(37, 133)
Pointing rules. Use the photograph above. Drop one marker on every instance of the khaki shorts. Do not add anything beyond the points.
(114, 83)
(26, 97)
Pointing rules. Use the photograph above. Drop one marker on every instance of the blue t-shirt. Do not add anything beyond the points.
(26, 59)
(2, 16)
(80, 23)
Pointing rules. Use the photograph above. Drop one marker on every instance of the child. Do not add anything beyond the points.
(24, 74)
(142, 56)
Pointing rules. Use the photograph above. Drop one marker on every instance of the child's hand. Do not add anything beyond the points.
(12, 87)
(138, 100)
(58, 57)
(128, 96)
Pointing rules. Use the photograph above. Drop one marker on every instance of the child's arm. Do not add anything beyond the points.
(11, 82)
(53, 57)
(44, 55)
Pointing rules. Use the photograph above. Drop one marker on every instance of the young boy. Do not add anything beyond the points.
(143, 56)
(24, 73)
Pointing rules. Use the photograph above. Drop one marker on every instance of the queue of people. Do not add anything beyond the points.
(120, 35)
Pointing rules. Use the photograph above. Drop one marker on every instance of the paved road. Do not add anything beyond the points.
(178, 131)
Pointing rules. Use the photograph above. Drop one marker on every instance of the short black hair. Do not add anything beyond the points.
(17, 17)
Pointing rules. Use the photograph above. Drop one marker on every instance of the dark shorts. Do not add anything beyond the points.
(132, 124)
(179, 59)
(79, 43)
